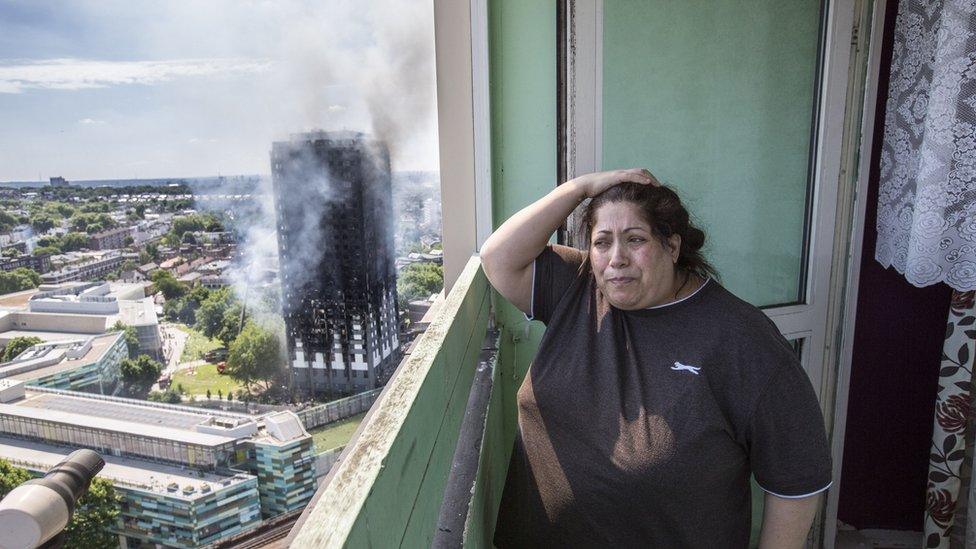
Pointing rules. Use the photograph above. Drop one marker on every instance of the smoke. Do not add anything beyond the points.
(366, 67)
(338, 65)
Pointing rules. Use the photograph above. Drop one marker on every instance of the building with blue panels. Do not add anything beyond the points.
(89, 363)
(286, 474)
(160, 504)
(193, 477)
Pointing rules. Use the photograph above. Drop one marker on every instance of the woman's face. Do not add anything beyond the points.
(634, 268)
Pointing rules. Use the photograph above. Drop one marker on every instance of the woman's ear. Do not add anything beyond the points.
(674, 246)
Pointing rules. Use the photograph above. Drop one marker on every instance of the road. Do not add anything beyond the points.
(174, 340)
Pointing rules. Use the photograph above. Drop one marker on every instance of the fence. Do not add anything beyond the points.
(325, 461)
(338, 409)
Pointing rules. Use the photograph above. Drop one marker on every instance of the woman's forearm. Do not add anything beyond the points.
(517, 242)
(508, 253)
(786, 522)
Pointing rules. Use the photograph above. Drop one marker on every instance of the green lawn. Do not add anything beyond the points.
(197, 380)
(335, 434)
(196, 345)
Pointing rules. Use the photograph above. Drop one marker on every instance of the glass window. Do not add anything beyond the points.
(718, 100)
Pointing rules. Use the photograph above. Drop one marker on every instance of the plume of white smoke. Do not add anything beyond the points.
(341, 65)
(378, 57)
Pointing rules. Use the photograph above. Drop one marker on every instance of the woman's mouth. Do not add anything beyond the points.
(620, 280)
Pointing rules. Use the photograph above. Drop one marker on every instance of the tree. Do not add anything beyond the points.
(18, 345)
(11, 477)
(19, 279)
(95, 516)
(168, 396)
(10, 252)
(255, 355)
(211, 316)
(419, 281)
(153, 251)
(74, 241)
(231, 325)
(42, 223)
(131, 337)
(165, 282)
(7, 221)
(46, 250)
(141, 371)
(64, 210)
(92, 222)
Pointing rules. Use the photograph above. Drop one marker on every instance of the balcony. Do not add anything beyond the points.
(429, 460)
(519, 110)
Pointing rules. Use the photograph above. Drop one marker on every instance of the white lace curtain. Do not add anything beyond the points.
(927, 199)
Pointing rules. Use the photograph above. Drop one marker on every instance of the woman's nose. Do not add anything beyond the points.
(618, 256)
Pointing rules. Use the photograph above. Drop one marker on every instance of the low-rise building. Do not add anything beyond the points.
(39, 263)
(269, 459)
(110, 239)
(190, 279)
(160, 504)
(85, 364)
(61, 312)
(95, 265)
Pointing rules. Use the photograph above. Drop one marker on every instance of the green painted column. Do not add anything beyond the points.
(522, 80)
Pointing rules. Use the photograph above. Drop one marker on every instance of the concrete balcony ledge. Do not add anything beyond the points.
(388, 488)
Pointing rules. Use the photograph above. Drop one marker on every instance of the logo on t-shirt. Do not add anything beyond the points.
(679, 367)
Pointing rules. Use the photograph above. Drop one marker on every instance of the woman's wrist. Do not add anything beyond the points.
(574, 189)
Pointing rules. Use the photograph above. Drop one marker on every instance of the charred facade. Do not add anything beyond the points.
(333, 201)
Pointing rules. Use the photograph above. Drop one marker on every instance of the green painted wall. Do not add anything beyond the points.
(522, 80)
(716, 98)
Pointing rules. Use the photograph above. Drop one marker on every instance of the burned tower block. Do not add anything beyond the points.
(334, 206)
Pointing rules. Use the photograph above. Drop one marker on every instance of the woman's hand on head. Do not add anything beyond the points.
(592, 184)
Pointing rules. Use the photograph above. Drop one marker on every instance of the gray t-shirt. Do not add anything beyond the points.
(641, 428)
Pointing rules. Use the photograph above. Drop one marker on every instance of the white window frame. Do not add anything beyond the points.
(464, 130)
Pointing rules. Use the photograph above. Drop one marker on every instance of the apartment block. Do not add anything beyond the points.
(337, 267)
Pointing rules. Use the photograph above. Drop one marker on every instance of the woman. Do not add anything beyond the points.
(655, 393)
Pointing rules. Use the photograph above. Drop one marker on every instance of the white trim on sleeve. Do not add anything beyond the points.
(797, 497)
(531, 314)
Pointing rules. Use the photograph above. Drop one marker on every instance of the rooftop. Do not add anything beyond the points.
(133, 473)
(80, 416)
(154, 420)
(48, 352)
(16, 300)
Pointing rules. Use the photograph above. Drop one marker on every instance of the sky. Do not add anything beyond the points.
(138, 89)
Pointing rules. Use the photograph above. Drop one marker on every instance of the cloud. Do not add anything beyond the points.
(91, 122)
(17, 76)
(336, 108)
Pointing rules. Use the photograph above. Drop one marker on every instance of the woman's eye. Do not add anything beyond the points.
(601, 243)
(636, 239)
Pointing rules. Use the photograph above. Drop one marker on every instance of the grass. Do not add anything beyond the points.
(335, 434)
(197, 380)
(196, 345)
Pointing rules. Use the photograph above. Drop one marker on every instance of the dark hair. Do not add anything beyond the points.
(664, 212)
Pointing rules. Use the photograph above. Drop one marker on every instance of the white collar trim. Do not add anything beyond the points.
(689, 296)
